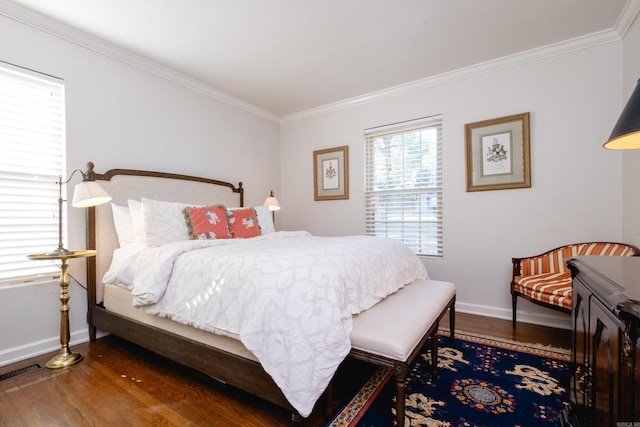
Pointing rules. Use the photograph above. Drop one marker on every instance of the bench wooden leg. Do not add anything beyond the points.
(400, 369)
(452, 321)
(296, 419)
(328, 398)
(434, 356)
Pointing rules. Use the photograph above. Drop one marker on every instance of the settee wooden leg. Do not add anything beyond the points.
(400, 369)
(514, 305)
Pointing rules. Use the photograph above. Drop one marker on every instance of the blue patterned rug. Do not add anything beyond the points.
(481, 382)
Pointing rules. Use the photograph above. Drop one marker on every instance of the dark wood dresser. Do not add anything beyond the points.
(605, 382)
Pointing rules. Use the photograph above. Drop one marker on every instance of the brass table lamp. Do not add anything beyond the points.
(86, 194)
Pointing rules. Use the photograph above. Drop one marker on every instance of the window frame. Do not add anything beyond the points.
(408, 195)
(33, 140)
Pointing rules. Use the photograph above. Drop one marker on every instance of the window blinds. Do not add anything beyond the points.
(403, 183)
(32, 136)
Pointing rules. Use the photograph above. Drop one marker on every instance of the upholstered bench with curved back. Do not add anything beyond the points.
(544, 279)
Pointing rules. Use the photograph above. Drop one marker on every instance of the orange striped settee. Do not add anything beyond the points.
(544, 279)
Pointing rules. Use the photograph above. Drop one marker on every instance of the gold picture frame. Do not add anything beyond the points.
(498, 153)
(331, 173)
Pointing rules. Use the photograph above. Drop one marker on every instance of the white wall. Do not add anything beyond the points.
(119, 116)
(575, 195)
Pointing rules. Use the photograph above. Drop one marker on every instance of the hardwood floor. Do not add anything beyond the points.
(524, 333)
(121, 384)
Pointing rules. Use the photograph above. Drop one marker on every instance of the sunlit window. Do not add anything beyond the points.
(32, 135)
(404, 184)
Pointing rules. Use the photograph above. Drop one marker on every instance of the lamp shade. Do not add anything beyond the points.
(272, 202)
(89, 193)
(626, 132)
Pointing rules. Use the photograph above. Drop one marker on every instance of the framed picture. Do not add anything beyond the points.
(331, 173)
(497, 153)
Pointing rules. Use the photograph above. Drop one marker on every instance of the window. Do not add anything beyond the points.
(403, 184)
(32, 136)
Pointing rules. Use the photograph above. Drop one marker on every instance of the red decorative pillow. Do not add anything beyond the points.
(209, 222)
(243, 222)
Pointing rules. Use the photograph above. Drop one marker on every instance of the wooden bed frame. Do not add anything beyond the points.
(226, 367)
(397, 346)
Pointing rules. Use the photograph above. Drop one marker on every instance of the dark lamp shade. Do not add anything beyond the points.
(626, 132)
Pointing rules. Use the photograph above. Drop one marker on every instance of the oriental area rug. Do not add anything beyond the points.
(481, 382)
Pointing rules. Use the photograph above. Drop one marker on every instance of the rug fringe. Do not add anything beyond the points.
(533, 347)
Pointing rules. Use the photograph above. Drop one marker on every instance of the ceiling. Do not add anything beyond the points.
(289, 56)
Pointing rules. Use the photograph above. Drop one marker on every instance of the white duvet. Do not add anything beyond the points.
(288, 296)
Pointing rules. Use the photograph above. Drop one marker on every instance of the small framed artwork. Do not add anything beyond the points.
(331, 173)
(497, 153)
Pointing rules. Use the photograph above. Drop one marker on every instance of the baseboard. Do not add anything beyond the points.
(50, 345)
(553, 319)
(33, 349)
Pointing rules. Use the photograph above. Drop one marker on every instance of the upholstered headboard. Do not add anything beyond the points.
(125, 184)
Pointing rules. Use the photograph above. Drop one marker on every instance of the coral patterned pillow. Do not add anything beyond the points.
(209, 222)
(243, 222)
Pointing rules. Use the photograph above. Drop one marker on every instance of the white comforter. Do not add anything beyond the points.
(288, 296)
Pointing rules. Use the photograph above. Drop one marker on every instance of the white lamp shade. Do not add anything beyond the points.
(89, 193)
(272, 202)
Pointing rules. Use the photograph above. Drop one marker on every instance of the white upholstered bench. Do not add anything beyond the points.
(393, 332)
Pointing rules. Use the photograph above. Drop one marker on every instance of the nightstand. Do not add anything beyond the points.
(64, 357)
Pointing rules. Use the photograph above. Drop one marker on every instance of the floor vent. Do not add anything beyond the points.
(21, 371)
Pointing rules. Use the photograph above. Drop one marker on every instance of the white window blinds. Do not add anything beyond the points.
(32, 136)
(403, 184)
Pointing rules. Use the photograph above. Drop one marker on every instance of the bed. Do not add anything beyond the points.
(246, 351)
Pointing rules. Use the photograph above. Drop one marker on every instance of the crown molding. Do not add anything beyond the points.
(627, 17)
(561, 48)
(55, 28)
(80, 38)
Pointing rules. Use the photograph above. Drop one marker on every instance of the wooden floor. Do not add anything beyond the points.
(118, 383)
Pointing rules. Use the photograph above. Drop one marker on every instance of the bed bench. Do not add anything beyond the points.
(392, 333)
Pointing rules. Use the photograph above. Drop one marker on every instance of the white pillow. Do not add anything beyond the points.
(163, 222)
(135, 210)
(265, 219)
(123, 266)
(123, 224)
